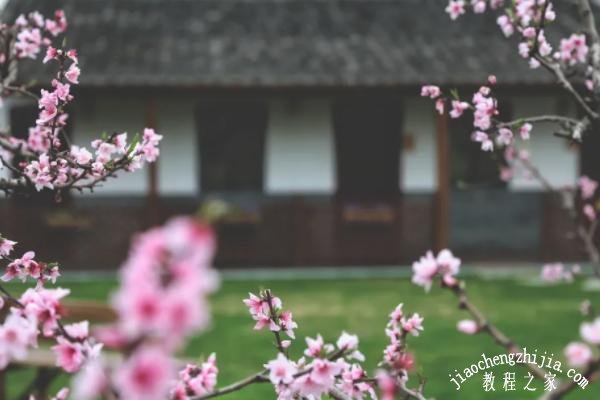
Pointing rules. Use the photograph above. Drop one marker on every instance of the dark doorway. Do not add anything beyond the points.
(590, 150)
(368, 140)
(231, 138)
(367, 136)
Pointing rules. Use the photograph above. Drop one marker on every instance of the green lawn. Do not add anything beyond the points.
(545, 318)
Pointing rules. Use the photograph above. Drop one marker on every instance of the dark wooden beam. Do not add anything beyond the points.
(442, 203)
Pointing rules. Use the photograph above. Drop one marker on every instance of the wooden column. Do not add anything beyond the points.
(442, 199)
(152, 200)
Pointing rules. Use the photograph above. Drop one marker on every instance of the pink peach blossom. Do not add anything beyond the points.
(347, 341)
(281, 370)
(69, 355)
(324, 372)
(17, 335)
(458, 107)
(587, 186)
(146, 375)
(424, 271)
(314, 346)
(6, 246)
(412, 325)
(430, 91)
(73, 73)
(467, 326)
(91, 381)
(590, 331)
(455, 8)
(525, 131)
(578, 354)
(589, 212)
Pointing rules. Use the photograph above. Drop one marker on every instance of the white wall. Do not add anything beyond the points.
(552, 155)
(178, 164)
(300, 149)
(418, 172)
(4, 126)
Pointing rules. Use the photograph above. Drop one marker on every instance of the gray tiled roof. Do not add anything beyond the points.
(284, 43)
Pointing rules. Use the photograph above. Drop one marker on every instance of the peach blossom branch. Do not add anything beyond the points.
(499, 337)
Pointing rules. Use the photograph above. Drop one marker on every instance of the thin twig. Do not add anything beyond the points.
(587, 236)
(234, 387)
(415, 394)
(486, 326)
(20, 90)
(562, 80)
(39, 385)
(559, 119)
(273, 316)
(590, 373)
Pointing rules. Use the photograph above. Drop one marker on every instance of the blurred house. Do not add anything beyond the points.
(305, 115)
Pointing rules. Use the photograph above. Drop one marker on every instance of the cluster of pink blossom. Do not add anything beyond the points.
(38, 311)
(398, 328)
(75, 347)
(573, 49)
(557, 272)
(488, 130)
(324, 367)
(456, 8)
(446, 266)
(27, 266)
(528, 18)
(266, 310)
(428, 267)
(161, 301)
(397, 361)
(51, 168)
(434, 93)
(587, 188)
(34, 32)
(334, 368)
(47, 160)
(577, 354)
(196, 380)
(519, 14)
(580, 354)
(166, 267)
(329, 368)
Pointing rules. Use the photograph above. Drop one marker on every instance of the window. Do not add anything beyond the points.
(231, 138)
(367, 135)
(590, 162)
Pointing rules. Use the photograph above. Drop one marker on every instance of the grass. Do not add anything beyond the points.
(543, 318)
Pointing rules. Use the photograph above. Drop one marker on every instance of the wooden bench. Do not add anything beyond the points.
(97, 313)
